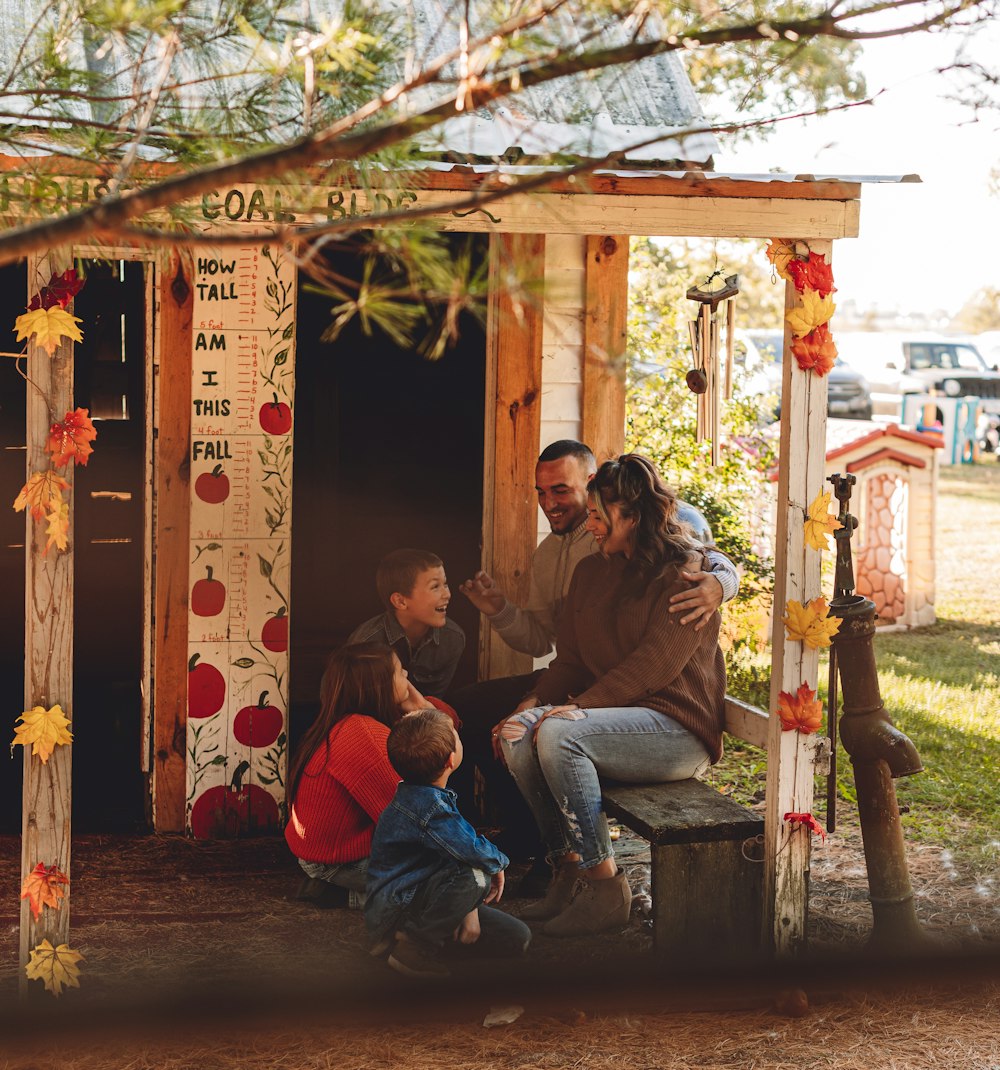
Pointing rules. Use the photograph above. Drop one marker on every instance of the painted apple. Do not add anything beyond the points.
(206, 688)
(235, 809)
(260, 725)
(275, 417)
(212, 487)
(208, 596)
(274, 634)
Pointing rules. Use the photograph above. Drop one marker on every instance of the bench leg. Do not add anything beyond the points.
(706, 897)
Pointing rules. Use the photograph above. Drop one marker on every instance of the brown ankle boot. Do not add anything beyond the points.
(557, 898)
(598, 906)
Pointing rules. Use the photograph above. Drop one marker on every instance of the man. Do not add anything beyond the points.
(561, 477)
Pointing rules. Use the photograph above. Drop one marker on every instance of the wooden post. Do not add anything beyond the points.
(791, 757)
(514, 333)
(605, 324)
(173, 507)
(48, 636)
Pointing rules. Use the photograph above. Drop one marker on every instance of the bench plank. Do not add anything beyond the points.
(685, 811)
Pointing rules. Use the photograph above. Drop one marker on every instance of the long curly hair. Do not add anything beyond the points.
(357, 679)
(634, 485)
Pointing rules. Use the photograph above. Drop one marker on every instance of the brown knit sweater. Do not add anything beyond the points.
(632, 652)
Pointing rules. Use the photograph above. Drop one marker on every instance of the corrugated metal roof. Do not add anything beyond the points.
(644, 111)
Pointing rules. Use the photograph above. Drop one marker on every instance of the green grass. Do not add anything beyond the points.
(940, 685)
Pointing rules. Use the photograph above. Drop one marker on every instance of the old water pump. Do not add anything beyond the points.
(879, 752)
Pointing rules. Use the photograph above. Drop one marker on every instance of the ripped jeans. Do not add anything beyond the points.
(559, 778)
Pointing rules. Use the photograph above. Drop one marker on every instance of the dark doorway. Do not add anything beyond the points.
(13, 300)
(108, 784)
(388, 453)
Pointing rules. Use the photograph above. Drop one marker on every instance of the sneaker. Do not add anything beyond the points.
(412, 960)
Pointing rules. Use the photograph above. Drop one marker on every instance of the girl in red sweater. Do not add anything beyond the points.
(340, 778)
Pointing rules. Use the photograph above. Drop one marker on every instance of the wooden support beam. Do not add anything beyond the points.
(173, 508)
(605, 325)
(791, 757)
(514, 338)
(48, 636)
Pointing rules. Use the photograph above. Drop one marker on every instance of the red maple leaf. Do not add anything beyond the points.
(813, 273)
(815, 351)
(808, 821)
(60, 290)
(72, 438)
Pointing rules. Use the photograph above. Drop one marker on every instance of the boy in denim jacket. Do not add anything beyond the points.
(429, 874)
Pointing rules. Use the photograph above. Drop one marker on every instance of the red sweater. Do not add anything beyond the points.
(343, 789)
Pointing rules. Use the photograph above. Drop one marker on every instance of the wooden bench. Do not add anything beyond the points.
(707, 890)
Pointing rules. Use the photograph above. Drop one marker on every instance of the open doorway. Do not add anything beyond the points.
(388, 453)
(108, 532)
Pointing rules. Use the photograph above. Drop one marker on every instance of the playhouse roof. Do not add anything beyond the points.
(649, 103)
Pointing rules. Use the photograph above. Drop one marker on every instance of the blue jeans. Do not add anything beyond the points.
(442, 901)
(349, 875)
(560, 777)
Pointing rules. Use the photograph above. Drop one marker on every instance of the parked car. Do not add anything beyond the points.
(848, 392)
(898, 364)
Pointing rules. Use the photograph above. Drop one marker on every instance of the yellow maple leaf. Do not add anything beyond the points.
(43, 729)
(812, 313)
(55, 967)
(810, 623)
(779, 252)
(43, 887)
(41, 493)
(48, 326)
(57, 528)
(819, 524)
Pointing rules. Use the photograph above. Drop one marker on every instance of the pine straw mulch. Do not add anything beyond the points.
(209, 935)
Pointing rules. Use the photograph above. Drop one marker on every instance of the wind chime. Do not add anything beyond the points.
(703, 378)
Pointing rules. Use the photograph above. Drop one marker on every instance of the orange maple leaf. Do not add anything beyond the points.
(813, 273)
(42, 493)
(780, 251)
(816, 350)
(801, 711)
(43, 887)
(810, 623)
(72, 438)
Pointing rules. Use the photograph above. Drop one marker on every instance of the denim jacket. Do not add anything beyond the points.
(418, 832)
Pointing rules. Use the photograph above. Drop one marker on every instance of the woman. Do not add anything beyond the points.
(631, 695)
(340, 779)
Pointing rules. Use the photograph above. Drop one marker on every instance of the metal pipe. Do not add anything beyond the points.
(878, 750)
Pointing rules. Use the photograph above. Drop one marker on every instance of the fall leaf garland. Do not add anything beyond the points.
(810, 624)
(806, 821)
(810, 274)
(48, 322)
